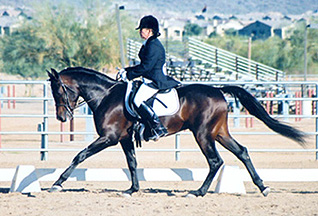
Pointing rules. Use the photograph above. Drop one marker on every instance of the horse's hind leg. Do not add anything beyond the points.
(98, 145)
(129, 150)
(241, 153)
(207, 145)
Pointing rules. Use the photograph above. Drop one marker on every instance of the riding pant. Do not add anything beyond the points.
(143, 94)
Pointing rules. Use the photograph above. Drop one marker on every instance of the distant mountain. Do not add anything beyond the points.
(195, 6)
(233, 6)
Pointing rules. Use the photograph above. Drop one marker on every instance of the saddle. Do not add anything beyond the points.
(164, 103)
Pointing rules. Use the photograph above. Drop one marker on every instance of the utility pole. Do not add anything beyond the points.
(120, 36)
(249, 47)
(309, 26)
(249, 53)
(305, 53)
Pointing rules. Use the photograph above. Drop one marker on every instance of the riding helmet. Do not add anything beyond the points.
(149, 22)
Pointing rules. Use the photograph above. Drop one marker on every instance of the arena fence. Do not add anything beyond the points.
(281, 103)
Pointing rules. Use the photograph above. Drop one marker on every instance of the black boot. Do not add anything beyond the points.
(147, 114)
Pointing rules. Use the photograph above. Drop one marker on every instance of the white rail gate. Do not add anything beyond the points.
(287, 98)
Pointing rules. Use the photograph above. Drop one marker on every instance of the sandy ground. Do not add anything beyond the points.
(154, 198)
(157, 198)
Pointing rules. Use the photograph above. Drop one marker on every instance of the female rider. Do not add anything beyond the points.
(152, 60)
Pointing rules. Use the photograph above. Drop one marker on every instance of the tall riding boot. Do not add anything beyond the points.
(147, 114)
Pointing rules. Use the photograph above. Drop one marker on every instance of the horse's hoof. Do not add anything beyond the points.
(55, 188)
(266, 191)
(126, 195)
(190, 195)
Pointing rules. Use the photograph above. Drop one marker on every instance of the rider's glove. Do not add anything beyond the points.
(123, 74)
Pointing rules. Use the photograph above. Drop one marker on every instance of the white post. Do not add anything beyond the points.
(120, 37)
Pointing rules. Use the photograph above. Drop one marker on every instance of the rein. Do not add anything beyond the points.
(67, 104)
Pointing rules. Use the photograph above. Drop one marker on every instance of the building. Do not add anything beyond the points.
(256, 30)
(267, 28)
(255, 25)
(231, 24)
(10, 19)
(173, 29)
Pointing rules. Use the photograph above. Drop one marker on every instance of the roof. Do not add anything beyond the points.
(173, 23)
(278, 23)
(6, 21)
(9, 12)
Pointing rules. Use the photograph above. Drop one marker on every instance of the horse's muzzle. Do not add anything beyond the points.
(61, 118)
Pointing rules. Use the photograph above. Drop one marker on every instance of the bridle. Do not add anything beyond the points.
(69, 109)
(67, 105)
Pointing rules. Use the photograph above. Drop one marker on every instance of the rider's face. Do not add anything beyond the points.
(145, 33)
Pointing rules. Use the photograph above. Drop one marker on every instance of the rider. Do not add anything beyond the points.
(151, 69)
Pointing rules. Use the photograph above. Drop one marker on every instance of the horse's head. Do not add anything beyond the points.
(65, 95)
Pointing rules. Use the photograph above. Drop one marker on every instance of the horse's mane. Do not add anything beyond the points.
(87, 71)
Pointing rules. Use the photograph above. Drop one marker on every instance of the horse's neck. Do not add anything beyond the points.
(93, 93)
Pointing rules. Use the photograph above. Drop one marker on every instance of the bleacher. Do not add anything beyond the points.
(208, 63)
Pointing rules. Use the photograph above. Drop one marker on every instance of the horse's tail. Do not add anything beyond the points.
(256, 109)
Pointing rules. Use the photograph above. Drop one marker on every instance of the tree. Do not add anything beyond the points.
(312, 48)
(62, 37)
(25, 54)
(192, 29)
(286, 55)
(235, 44)
(271, 52)
(78, 39)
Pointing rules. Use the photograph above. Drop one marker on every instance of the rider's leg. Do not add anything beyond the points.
(143, 94)
(147, 113)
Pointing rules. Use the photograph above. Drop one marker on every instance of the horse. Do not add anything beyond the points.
(203, 110)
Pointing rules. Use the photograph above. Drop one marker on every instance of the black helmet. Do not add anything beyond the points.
(149, 22)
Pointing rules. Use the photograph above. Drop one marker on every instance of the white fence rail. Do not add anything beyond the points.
(44, 132)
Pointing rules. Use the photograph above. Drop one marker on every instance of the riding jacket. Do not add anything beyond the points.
(152, 59)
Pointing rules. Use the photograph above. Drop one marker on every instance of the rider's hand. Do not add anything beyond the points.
(122, 75)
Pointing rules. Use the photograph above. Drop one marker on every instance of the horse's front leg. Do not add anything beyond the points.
(98, 145)
(129, 150)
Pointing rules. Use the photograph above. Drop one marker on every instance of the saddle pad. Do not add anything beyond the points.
(169, 99)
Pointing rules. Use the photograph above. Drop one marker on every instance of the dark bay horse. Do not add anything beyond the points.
(203, 110)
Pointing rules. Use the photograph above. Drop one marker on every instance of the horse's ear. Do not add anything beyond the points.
(52, 78)
(55, 73)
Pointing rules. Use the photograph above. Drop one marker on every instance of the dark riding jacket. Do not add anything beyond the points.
(152, 56)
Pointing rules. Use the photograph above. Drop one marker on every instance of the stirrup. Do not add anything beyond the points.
(158, 133)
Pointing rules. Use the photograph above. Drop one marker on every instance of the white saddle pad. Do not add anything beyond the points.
(170, 100)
